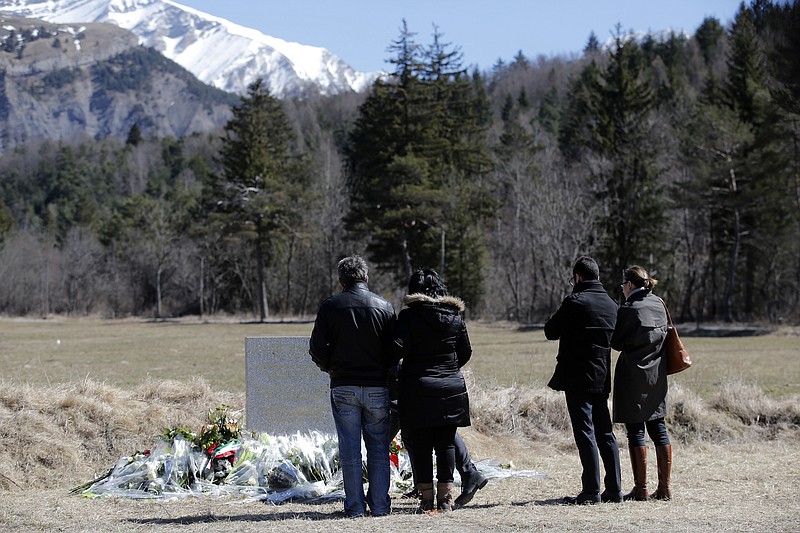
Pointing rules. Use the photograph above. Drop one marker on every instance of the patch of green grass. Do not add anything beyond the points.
(770, 362)
(124, 353)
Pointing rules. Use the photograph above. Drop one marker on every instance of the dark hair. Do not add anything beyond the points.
(586, 267)
(427, 281)
(351, 269)
(638, 276)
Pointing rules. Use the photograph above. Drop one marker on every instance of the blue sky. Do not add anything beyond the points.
(360, 31)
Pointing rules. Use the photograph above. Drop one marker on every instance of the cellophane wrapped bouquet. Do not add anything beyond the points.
(221, 460)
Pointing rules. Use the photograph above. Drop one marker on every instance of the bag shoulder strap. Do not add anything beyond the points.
(669, 317)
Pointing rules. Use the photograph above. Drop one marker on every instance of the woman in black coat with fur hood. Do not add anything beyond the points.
(431, 339)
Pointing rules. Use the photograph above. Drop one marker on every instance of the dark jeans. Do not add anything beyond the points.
(657, 429)
(421, 443)
(594, 435)
(463, 464)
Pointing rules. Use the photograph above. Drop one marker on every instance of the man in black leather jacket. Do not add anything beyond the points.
(584, 324)
(348, 342)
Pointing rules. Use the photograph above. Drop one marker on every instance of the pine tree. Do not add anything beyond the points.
(713, 144)
(710, 36)
(784, 73)
(607, 130)
(577, 115)
(417, 152)
(784, 56)
(134, 135)
(260, 192)
(764, 189)
(631, 192)
(745, 88)
(550, 110)
(592, 44)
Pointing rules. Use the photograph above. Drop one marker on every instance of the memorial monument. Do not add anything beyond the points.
(286, 392)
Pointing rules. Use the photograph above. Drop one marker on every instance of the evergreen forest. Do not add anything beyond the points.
(678, 153)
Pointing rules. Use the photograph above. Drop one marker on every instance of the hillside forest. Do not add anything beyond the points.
(678, 153)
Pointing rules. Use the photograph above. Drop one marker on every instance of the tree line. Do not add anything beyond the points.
(678, 153)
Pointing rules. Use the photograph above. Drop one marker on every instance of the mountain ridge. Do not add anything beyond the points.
(94, 80)
(219, 52)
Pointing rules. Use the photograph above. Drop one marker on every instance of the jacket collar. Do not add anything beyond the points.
(639, 294)
(452, 301)
(587, 284)
(356, 285)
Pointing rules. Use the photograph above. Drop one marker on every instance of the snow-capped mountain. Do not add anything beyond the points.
(217, 51)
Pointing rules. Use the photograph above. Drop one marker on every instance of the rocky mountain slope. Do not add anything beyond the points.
(62, 82)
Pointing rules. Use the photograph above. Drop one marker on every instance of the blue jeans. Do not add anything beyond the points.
(363, 412)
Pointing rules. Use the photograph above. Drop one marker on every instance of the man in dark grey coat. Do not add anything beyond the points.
(584, 324)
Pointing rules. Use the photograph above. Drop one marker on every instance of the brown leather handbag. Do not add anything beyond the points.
(678, 358)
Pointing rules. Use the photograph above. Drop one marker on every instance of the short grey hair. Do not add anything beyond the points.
(352, 268)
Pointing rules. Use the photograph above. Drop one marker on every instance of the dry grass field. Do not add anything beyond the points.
(77, 394)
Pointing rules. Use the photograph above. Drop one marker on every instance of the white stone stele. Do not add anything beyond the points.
(286, 392)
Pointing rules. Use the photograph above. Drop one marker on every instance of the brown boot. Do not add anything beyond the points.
(639, 467)
(444, 496)
(426, 497)
(664, 458)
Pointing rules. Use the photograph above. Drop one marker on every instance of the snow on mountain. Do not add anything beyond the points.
(217, 51)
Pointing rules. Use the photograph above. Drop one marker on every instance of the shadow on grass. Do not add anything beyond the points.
(555, 501)
(723, 331)
(266, 517)
(549, 501)
(200, 322)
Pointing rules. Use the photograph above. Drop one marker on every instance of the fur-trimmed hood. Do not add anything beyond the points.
(451, 301)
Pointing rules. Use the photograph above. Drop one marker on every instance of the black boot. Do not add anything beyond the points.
(611, 497)
(581, 499)
(470, 484)
(413, 493)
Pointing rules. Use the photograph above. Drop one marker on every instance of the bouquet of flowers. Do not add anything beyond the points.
(219, 460)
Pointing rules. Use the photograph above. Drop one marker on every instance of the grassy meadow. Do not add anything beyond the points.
(124, 353)
(78, 394)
